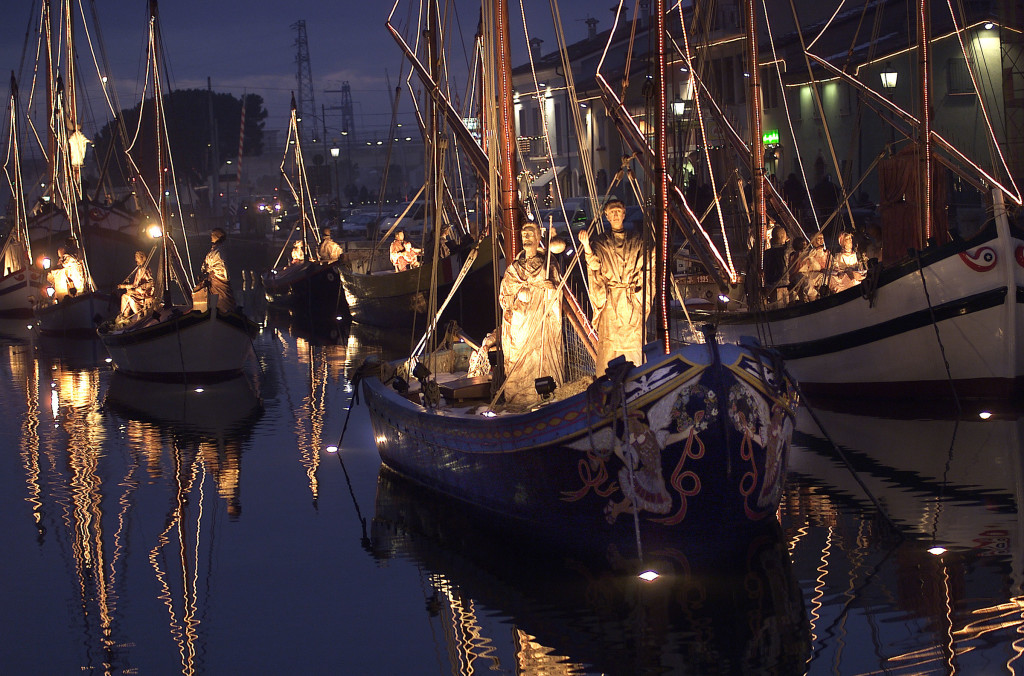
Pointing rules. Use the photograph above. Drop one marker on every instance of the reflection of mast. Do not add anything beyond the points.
(183, 630)
(25, 376)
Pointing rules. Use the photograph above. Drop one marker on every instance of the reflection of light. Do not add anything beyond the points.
(937, 551)
(54, 404)
(985, 415)
(649, 576)
(332, 449)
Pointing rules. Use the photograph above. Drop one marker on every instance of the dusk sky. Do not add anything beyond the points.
(250, 46)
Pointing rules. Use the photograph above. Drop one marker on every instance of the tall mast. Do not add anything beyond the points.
(924, 144)
(661, 175)
(509, 216)
(760, 221)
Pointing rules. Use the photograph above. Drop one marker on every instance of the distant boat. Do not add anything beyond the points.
(301, 279)
(188, 341)
(21, 282)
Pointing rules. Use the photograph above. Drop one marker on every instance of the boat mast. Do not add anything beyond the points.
(924, 144)
(661, 176)
(509, 215)
(759, 221)
(161, 148)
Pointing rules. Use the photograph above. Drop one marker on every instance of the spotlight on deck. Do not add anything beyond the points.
(420, 371)
(545, 386)
(400, 385)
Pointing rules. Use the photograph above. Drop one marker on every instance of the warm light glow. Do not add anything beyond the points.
(44, 263)
(649, 576)
(889, 78)
(338, 318)
(985, 415)
(154, 231)
(335, 151)
(937, 551)
(50, 291)
(108, 360)
(989, 25)
(199, 390)
(332, 449)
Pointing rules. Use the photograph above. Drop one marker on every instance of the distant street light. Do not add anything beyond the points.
(889, 78)
(335, 151)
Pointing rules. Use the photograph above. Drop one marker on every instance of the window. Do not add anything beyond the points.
(958, 77)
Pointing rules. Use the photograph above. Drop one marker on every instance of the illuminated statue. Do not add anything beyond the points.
(531, 324)
(138, 287)
(621, 289)
(216, 271)
(330, 251)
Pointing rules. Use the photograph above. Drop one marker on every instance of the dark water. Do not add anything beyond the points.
(151, 529)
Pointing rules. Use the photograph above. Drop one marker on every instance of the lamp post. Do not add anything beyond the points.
(335, 151)
(889, 78)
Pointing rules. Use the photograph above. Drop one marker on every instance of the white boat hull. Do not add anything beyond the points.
(74, 316)
(900, 342)
(192, 345)
(20, 292)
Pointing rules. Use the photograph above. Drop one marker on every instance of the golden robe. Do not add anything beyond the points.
(621, 293)
(531, 328)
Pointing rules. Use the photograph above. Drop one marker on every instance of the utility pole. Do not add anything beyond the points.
(304, 100)
(347, 126)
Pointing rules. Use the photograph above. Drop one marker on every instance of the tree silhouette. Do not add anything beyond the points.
(188, 125)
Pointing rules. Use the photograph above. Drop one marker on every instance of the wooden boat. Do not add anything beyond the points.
(111, 230)
(693, 440)
(942, 321)
(74, 315)
(310, 287)
(189, 341)
(390, 299)
(21, 282)
(305, 283)
(714, 608)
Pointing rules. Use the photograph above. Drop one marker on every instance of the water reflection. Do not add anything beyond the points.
(570, 613)
(943, 549)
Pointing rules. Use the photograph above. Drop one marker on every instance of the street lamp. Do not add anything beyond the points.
(335, 151)
(889, 77)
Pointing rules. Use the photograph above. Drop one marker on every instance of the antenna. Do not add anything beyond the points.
(305, 105)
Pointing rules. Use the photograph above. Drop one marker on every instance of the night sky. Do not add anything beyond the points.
(250, 46)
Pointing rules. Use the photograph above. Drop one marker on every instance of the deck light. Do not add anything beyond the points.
(544, 385)
(649, 576)
(420, 371)
(889, 77)
(332, 449)
(936, 550)
(989, 25)
(985, 415)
